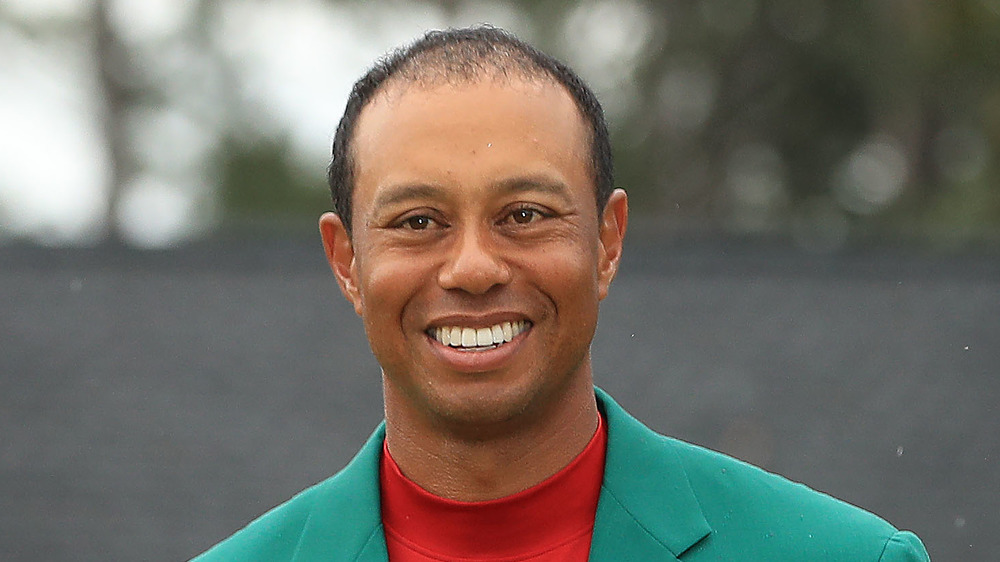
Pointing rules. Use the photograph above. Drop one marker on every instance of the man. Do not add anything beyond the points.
(475, 231)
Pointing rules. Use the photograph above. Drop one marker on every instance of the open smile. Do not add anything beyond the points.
(478, 339)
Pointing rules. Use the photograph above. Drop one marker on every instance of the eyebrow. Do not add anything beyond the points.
(520, 184)
(535, 183)
(405, 192)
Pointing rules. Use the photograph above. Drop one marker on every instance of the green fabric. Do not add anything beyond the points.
(661, 499)
(664, 499)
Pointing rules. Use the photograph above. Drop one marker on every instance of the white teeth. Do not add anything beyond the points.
(484, 336)
(468, 337)
(479, 337)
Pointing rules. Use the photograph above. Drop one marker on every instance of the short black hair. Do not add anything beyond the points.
(462, 55)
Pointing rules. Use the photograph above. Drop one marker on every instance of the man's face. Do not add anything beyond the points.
(478, 257)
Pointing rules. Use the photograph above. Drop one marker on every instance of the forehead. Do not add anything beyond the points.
(409, 123)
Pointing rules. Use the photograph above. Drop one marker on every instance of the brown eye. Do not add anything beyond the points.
(523, 216)
(419, 222)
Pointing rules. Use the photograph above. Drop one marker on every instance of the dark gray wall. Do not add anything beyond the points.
(152, 403)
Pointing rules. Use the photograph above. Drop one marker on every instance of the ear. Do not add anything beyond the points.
(614, 220)
(340, 253)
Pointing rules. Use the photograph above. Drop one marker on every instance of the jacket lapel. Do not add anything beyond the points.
(345, 522)
(647, 509)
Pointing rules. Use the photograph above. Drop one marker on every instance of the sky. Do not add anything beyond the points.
(287, 68)
(295, 62)
(292, 63)
(53, 163)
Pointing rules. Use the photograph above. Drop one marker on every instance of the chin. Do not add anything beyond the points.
(484, 404)
(479, 407)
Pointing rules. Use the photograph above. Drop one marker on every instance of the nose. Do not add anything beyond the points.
(474, 264)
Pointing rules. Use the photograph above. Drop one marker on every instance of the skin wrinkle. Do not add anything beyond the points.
(417, 74)
(466, 57)
(455, 432)
(455, 468)
(397, 195)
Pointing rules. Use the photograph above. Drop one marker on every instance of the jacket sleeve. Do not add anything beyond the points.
(904, 546)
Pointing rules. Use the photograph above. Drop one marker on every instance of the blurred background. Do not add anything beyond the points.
(812, 280)
(155, 122)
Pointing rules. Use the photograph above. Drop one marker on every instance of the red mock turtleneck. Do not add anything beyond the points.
(550, 521)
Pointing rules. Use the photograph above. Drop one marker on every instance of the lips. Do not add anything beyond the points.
(487, 337)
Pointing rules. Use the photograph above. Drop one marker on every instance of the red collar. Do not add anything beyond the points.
(551, 513)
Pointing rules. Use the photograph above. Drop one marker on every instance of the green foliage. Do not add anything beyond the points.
(259, 182)
(886, 115)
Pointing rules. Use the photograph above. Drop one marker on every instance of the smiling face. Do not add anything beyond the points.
(478, 257)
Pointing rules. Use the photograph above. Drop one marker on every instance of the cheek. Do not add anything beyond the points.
(568, 277)
(571, 285)
(384, 294)
(572, 263)
(389, 284)
(568, 274)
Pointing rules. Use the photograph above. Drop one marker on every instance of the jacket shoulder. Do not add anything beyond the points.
(273, 536)
(339, 518)
(757, 512)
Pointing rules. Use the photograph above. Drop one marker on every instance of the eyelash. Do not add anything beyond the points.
(420, 222)
(408, 222)
(534, 214)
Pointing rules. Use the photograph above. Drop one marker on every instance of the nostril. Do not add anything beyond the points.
(474, 268)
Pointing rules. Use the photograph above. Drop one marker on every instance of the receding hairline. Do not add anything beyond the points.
(426, 71)
(397, 86)
(465, 56)
(471, 59)
(395, 89)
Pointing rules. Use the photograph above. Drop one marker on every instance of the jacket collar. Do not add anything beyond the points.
(345, 522)
(646, 504)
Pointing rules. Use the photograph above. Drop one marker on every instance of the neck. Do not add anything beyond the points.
(477, 462)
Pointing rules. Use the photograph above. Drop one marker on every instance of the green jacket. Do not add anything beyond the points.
(661, 499)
